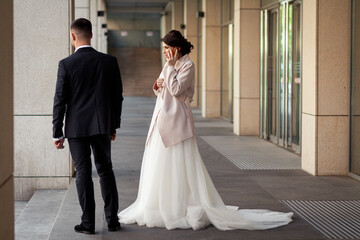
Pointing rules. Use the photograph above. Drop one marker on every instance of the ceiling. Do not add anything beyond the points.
(129, 6)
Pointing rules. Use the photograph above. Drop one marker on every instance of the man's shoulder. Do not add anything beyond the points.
(99, 55)
(107, 56)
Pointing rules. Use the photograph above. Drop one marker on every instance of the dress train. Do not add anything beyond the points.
(176, 191)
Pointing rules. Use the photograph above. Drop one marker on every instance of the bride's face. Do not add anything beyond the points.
(166, 49)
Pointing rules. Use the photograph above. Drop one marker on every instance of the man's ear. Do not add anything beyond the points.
(91, 36)
(73, 36)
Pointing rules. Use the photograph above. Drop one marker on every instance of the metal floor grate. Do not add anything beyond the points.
(334, 219)
(252, 153)
(253, 162)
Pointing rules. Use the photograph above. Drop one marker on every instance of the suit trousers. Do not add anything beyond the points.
(80, 149)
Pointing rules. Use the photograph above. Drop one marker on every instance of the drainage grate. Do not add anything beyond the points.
(253, 162)
(334, 219)
(252, 153)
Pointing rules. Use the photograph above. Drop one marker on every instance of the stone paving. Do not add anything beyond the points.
(244, 188)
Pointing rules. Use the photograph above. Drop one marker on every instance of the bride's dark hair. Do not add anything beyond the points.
(175, 39)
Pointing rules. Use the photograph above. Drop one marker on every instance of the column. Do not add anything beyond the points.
(41, 40)
(101, 28)
(6, 121)
(93, 19)
(211, 62)
(326, 78)
(165, 26)
(82, 9)
(177, 15)
(246, 67)
(191, 33)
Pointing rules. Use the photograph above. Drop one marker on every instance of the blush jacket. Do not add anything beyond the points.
(172, 112)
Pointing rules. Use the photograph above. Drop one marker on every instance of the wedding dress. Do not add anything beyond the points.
(176, 191)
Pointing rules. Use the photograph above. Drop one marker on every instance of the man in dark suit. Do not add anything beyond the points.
(89, 91)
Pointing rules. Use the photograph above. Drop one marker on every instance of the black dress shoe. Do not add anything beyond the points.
(81, 229)
(114, 227)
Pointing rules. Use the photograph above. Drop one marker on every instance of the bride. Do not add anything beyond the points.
(175, 189)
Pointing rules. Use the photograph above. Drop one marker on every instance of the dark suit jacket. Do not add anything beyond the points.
(89, 91)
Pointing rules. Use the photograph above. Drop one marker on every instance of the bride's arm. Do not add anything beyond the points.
(178, 82)
(157, 85)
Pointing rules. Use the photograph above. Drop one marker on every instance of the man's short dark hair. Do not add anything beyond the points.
(82, 28)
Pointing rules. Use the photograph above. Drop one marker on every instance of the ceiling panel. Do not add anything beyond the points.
(155, 6)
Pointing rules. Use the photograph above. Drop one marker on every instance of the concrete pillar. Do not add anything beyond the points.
(82, 9)
(165, 26)
(6, 121)
(326, 74)
(101, 29)
(211, 62)
(93, 19)
(191, 33)
(246, 67)
(177, 15)
(41, 39)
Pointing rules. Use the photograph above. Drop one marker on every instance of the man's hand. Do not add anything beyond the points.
(113, 136)
(59, 144)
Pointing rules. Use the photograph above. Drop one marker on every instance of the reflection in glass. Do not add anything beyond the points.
(225, 72)
(296, 75)
(282, 55)
(226, 58)
(272, 72)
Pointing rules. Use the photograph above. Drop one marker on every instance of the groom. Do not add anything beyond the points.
(89, 91)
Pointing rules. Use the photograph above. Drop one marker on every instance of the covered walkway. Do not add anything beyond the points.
(247, 171)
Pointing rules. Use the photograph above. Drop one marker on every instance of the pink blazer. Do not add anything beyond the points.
(172, 112)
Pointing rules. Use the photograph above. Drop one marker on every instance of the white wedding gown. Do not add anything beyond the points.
(176, 191)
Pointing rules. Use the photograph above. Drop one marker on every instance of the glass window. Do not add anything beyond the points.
(227, 8)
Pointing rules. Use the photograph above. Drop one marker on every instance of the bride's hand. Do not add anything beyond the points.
(159, 82)
(172, 58)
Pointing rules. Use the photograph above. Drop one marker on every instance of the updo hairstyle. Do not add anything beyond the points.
(175, 39)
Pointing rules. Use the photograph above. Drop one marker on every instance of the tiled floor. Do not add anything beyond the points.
(244, 188)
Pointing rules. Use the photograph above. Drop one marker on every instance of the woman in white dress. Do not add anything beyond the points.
(175, 189)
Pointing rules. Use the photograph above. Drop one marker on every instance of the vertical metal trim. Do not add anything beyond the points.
(231, 72)
(266, 38)
(301, 79)
(277, 77)
(261, 72)
(286, 62)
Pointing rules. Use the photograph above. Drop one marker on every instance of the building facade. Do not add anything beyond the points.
(284, 70)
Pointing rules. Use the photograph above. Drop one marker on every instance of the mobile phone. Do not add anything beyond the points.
(173, 50)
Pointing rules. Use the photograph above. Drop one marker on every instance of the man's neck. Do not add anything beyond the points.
(81, 44)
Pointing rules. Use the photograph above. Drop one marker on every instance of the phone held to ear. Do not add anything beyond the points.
(173, 50)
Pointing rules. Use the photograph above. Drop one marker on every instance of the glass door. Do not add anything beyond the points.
(272, 81)
(269, 103)
(227, 43)
(281, 74)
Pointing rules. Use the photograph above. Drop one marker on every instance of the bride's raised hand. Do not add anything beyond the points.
(172, 58)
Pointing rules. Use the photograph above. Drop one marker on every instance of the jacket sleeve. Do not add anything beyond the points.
(179, 81)
(117, 95)
(60, 101)
(155, 88)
